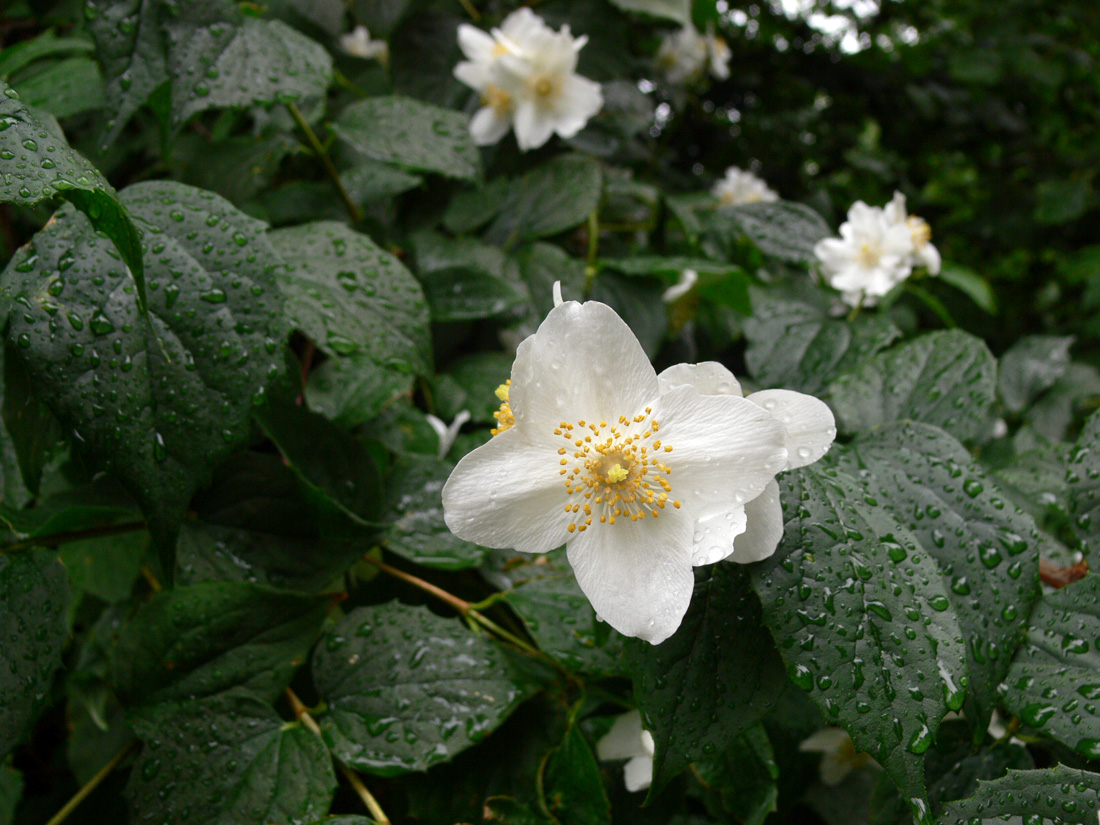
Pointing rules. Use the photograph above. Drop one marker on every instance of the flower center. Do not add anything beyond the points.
(614, 472)
(496, 99)
(920, 231)
(869, 255)
(546, 86)
(504, 416)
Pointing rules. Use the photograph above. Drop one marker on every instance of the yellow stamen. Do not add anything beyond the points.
(616, 474)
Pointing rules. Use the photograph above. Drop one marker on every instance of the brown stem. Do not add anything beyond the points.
(1059, 577)
(461, 605)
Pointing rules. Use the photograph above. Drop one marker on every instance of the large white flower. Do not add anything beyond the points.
(924, 254)
(358, 43)
(628, 740)
(686, 54)
(641, 480)
(810, 429)
(739, 186)
(872, 255)
(526, 75)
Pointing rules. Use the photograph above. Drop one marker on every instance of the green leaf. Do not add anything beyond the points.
(65, 88)
(352, 389)
(424, 51)
(540, 266)
(942, 378)
(33, 430)
(638, 302)
(159, 399)
(742, 780)
(784, 230)
(37, 164)
(413, 507)
(1054, 796)
(47, 44)
(985, 547)
(353, 298)
(1053, 684)
(225, 760)
(678, 11)
(34, 603)
(972, 284)
(549, 199)
(442, 688)
(105, 567)
(713, 680)
(1083, 478)
(412, 134)
(861, 617)
(1030, 368)
(203, 639)
(798, 346)
(472, 208)
(255, 525)
(11, 789)
(1062, 201)
(559, 617)
(470, 384)
(570, 783)
(461, 294)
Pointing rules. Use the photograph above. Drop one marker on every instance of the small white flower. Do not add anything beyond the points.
(810, 429)
(872, 255)
(447, 434)
(357, 43)
(839, 756)
(641, 478)
(924, 254)
(628, 740)
(688, 279)
(685, 55)
(739, 186)
(526, 75)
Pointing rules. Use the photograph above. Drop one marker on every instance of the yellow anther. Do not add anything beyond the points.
(502, 390)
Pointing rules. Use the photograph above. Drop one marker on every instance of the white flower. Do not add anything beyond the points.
(357, 43)
(739, 186)
(628, 740)
(447, 434)
(924, 254)
(839, 756)
(526, 75)
(872, 255)
(686, 54)
(594, 452)
(810, 429)
(688, 279)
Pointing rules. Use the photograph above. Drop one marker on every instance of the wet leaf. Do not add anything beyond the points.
(1054, 796)
(549, 199)
(1030, 367)
(160, 399)
(1083, 478)
(225, 760)
(34, 602)
(713, 680)
(742, 779)
(571, 786)
(407, 689)
(781, 229)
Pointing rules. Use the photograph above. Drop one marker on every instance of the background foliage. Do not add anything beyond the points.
(241, 268)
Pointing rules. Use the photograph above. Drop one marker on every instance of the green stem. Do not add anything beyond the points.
(855, 310)
(326, 161)
(592, 263)
(73, 535)
(92, 784)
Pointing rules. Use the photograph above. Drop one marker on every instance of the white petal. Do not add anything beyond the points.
(810, 425)
(826, 740)
(579, 101)
(929, 257)
(487, 126)
(714, 535)
(582, 363)
(765, 527)
(835, 767)
(725, 448)
(638, 773)
(533, 125)
(895, 210)
(707, 377)
(473, 74)
(623, 740)
(508, 494)
(476, 44)
(637, 574)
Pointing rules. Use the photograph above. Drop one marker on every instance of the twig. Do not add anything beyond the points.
(461, 605)
(326, 161)
(470, 10)
(301, 713)
(92, 784)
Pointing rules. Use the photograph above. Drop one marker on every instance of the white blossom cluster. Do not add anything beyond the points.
(739, 186)
(877, 249)
(687, 55)
(526, 75)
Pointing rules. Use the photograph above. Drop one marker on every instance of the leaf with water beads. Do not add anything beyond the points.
(984, 545)
(406, 689)
(1054, 682)
(36, 164)
(34, 602)
(159, 399)
(225, 760)
(713, 680)
(1050, 796)
(1083, 478)
(861, 617)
